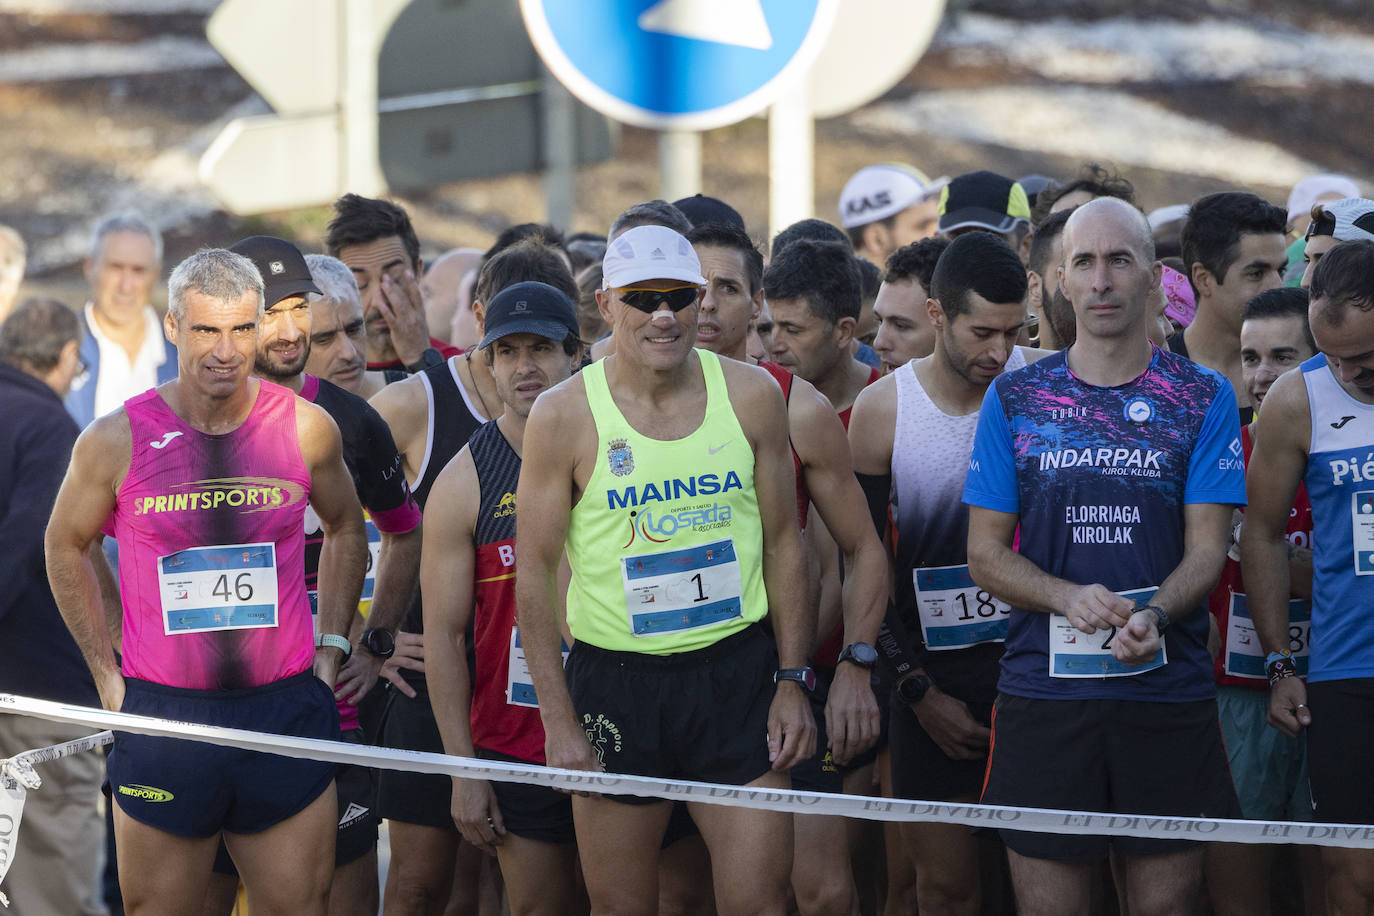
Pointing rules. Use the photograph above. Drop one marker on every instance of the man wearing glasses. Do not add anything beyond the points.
(665, 473)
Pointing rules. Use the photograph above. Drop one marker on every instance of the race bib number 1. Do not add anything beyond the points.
(954, 612)
(1244, 657)
(225, 587)
(519, 684)
(1074, 653)
(682, 589)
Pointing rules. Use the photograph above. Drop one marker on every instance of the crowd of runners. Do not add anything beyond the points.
(970, 497)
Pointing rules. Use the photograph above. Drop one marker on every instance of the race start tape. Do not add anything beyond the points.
(17, 777)
(1038, 820)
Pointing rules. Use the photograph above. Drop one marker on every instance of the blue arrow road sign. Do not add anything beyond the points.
(678, 64)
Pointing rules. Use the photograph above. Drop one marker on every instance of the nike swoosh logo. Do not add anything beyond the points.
(1344, 420)
(712, 451)
(168, 437)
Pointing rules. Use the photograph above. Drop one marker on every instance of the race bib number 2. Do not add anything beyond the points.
(225, 587)
(682, 589)
(954, 612)
(1074, 653)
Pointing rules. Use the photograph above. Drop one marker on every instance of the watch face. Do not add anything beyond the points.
(861, 653)
(914, 688)
(809, 679)
(380, 642)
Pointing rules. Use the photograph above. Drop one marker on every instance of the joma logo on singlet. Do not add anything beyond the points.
(671, 489)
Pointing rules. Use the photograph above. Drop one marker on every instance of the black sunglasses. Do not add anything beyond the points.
(649, 300)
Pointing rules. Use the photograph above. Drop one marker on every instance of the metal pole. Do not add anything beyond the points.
(560, 152)
(362, 171)
(679, 164)
(791, 158)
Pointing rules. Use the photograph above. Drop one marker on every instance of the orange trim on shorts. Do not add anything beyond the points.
(992, 744)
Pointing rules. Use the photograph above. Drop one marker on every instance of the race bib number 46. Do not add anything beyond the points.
(1074, 653)
(682, 589)
(226, 587)
(954, 612)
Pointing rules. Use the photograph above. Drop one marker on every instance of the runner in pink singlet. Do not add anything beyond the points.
(204, 481)
(212, 548)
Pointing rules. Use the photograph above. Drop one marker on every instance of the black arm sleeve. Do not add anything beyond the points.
(898, 650)
(878, 491)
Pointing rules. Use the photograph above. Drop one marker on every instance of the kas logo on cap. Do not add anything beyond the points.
(863, 204)
(276, 267)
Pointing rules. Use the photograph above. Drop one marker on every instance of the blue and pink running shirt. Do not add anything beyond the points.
(1099, 478)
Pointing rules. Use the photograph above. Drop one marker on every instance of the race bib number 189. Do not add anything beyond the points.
(1074, 653)
(225, 587)
(954, 612)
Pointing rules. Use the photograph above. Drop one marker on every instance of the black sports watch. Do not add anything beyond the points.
(430, 357)
(861, 654)
(379, 642)
(1161, 616)
(803, 676)
(913, 687)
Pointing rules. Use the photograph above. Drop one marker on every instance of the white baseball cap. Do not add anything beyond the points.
(650, 253)
(1161, 215)
(879, 191)
(1305, 193)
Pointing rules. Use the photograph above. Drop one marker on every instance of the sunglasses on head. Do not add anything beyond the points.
(650, 300)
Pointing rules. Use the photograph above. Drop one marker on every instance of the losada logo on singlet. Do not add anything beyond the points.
(506, 507)
(246, 494)
(146, 793)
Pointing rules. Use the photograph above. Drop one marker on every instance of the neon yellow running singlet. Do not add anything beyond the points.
(665, 545)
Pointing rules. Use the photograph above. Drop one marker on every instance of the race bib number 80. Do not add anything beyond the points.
(682, 589)
(1074, 653)
(225, 587)
(1244, 657)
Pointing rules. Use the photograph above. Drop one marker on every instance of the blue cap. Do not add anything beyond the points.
(529, 308)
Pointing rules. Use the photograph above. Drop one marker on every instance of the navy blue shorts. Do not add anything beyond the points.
(358, 821)
(195, 789)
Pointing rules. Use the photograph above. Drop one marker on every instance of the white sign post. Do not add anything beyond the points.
(873, 44)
